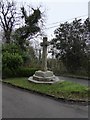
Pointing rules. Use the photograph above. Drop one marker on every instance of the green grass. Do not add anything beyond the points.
(67, 90)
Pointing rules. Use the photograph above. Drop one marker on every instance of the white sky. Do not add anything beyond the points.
(60, 10)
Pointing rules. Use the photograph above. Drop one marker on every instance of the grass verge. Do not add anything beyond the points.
(65, 90)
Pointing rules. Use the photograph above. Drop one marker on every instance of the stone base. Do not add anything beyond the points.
(43, 77)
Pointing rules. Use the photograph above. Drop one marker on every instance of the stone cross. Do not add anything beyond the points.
(44, 44)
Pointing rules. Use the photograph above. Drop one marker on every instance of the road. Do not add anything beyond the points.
(0, 100)
(76, 80)
(18, 103)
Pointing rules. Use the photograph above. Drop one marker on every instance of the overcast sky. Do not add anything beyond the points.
(60, 11)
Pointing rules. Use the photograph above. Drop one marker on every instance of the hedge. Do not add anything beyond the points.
(19, 72)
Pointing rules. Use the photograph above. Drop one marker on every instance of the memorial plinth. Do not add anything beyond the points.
(44, 76)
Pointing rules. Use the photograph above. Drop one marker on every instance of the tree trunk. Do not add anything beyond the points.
(7, 37)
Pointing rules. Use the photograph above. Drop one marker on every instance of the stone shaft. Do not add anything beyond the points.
(44, 55)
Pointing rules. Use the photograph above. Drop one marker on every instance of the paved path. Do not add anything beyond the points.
(18, 103)
(0, 101)
(81, 81)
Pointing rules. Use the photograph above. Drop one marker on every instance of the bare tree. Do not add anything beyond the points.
(7, 18)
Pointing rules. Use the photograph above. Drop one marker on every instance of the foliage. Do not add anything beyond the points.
(19, 72)
(6, 73)
(65, 90)
(17, 52)
(11, 59)
(27, 55)
(31, 28)
(7, 18)
(26, 72)
(31, 21)
(28, 31)
(70, 43)
(56, 66)
(30, 57)
(11, 48)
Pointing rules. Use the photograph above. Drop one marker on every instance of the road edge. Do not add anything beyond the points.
(70, 101)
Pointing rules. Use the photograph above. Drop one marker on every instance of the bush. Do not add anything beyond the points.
(26, 72)
(11, 48)
(19, 72)
(6, 72)
(11, 61)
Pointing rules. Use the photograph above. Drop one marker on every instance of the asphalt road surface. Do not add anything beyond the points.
(18, 103)
(76, 80)
(0, 100)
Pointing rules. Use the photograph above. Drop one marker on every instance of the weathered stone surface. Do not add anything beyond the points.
(43, 77)
(44, 73)
(43, 82)
(44, 44)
